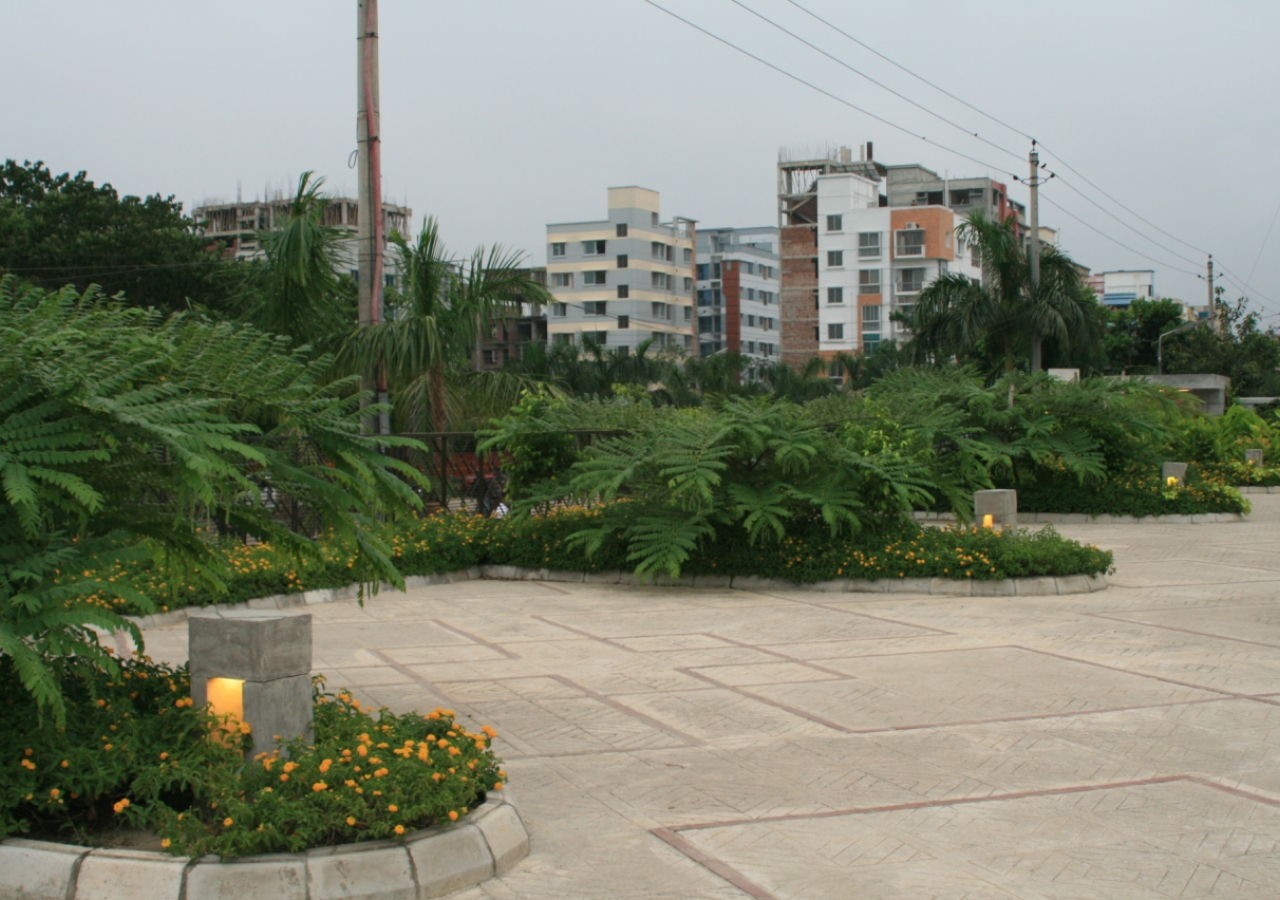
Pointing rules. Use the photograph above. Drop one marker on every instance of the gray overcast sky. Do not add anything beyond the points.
(499, 116)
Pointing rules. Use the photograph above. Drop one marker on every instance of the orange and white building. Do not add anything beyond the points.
(875, 260)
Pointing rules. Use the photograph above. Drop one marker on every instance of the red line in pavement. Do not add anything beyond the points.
(1221, 637)
(795, 711)
(1239, 792)
(929, 804)
(713, 865)
(586, 634)
(627, 710)
(498, 648)
(776, 653)
(1089, 662)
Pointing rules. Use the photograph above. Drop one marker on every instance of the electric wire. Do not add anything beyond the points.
(1066, 165)
(879, 84)
(1256, 259)
(826, 93)
(1115, 241)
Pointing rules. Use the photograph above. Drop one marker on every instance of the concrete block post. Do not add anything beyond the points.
(256, 666)
(1253, 457)
(1173, 470)
(1002, 506)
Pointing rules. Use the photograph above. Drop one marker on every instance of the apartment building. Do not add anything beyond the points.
(624, 279)
(737, 282)
(1122, 287)
(507, 338)
(914, 185)
(238, 225)
(875, 260)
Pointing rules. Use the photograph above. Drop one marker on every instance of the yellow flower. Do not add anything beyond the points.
(393, 808)
(324, 766)
(351, 820)
(228, 822)
(244, 728)
(319, 786)
(119, 807)
(453, 816)
(165, 843)
(28, 764)
(399, 829)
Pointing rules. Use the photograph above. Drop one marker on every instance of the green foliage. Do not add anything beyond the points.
(121, 432)
(295, 290)
(64, 229)
(1129, 492)
(533, 452)
(134, 752)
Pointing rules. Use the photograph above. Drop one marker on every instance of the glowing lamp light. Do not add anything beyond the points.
(255, 669)
(996, 507)
(988, 521)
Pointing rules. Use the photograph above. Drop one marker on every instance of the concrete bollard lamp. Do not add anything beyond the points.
(1253, 457)
(993, 508)
(1176, 471)
(255, 667)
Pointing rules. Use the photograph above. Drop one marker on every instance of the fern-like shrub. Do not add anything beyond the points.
(1130, 492)
(134, 753)
(122, 432)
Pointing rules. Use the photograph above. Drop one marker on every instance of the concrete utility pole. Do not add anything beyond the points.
(1213, 312)
(1034, 183)
(369, 225)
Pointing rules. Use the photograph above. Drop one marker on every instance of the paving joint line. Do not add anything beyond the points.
(477, 639)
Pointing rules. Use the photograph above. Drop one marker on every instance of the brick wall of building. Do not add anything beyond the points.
(799, 280)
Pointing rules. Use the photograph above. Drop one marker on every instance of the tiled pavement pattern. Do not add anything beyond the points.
(683, 743)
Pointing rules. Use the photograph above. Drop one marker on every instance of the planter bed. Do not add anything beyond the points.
(1025, 518)
(428, 863)
(959, 587)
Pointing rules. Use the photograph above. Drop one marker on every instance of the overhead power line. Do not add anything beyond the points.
(826, 93)
(1116, 241)
(1066, 165)
(1254, 267)
(880, 84)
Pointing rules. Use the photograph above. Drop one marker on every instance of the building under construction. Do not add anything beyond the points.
(237, 225)
(798, 173)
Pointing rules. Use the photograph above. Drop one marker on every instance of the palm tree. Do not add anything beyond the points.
(956, 316)
(434, 325)
(296, 289)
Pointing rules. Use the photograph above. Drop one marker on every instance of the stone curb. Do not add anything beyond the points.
(1084, 519)
(429, 863)
(1258, 489)
(951, 587)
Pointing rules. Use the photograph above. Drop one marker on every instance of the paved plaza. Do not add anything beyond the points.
(694, 743)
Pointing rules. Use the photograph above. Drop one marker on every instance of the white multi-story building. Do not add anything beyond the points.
(737, 282)
(623, 280)
(1120, 288)
(875, 260)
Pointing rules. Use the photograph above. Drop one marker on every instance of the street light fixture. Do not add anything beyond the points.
(1160, 341)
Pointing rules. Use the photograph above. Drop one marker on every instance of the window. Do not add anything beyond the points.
(658, 280)
(835, 223)
(562, 340)
(835, 331)
(815, 333)
(869, 245)
(622, 260)
(688, 313)
(751, 346)
(599, 338)
(835, 371)
(910, 281)
(557, 249)
(562, 279)
(835, 258)
(688, 285)
(766, 271)
(871, 317)
(624, 351)
(595, 308)
(750, 267)
(624, 321)
(490, 357)
(835, 295)
(869, 281)
(622, 230)
(967, 197)
(653, 218)
(661, 311)
(715, 270)
(593, 277)
(766, 322)
(658, 250)
(560, 310)
(688, 254)
(911, 242)
(624, 291)
(928, 198)
(593, 248)
(870, 343)
(751, 293)
(704, 271)
(766, 349)
(751, 321)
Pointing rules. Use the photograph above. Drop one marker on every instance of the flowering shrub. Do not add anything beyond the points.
(135, 752)
(1133, 492)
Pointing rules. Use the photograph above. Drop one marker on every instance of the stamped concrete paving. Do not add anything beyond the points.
(681, 743)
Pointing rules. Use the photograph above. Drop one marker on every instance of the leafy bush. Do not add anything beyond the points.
(1135, 492)
(121, 433)
(135, 752)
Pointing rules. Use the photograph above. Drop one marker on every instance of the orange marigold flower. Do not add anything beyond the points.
(245, 728)
(399, 829)
(378, 773)
(393, 808)
(228, 822)
(362, 750)
(497, 785)
(66, 764)
(55, 793)
(164, 756)
(165, 843)
(119, 806)
(453, 816)
(28, 764)
(284, 777)
(290, 766)
(454, 751)
(351, 820)
(319, 786)
(325, 766)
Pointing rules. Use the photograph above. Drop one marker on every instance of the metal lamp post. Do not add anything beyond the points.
(1160, 341)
